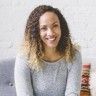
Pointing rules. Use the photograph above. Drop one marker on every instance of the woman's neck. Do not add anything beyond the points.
(51, 55)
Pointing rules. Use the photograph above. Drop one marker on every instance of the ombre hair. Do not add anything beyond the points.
(32, 46)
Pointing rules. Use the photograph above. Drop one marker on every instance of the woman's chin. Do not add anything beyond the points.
(52, 46)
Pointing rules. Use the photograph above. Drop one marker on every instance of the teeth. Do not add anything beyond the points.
(51, 38)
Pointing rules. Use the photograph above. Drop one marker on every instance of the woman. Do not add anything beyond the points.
(48, 63)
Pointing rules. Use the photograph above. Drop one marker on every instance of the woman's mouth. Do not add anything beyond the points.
(51, 39)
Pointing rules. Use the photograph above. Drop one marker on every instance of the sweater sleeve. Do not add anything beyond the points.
(22, 76)
(74, 77)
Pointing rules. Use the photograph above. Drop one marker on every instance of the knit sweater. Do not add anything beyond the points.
(58, 78)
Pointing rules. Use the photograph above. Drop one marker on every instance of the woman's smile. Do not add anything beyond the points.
(50, 31)
(51, 38)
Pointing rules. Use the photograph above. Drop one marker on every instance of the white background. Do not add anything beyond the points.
(80, 15)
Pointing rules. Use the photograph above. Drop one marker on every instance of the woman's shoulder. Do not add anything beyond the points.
(77, 54)
(77, 60)
(21, 56)
(23, 60)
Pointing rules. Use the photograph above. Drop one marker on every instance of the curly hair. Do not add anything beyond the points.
(32, 46)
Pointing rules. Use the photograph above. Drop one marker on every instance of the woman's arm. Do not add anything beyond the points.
(22, 78)
(74, 77)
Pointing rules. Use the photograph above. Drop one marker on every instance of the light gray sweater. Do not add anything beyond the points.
(56, 79)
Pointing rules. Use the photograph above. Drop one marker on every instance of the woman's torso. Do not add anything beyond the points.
(51, 81)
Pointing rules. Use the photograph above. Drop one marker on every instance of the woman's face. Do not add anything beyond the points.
(50, 31)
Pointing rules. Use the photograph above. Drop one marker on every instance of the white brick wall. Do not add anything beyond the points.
(80, 15)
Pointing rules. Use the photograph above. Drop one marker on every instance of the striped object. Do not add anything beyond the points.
(85, 90)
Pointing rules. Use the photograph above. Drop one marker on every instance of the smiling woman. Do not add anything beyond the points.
(50, 34)
(50, 31)
(48, 63)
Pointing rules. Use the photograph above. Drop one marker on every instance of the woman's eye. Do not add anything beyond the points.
(44, 28)
(55, 25)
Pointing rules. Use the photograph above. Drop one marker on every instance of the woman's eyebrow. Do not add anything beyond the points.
(42, 26)
(55, 23)
(46, 25)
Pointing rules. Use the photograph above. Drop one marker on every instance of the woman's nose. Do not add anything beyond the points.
(50, 32)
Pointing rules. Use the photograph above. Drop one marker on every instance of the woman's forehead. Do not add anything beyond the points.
(48, 18)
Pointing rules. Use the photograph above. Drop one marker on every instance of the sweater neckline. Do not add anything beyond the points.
(53, 62)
